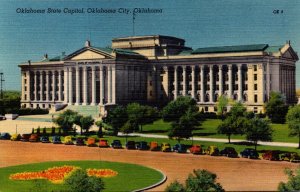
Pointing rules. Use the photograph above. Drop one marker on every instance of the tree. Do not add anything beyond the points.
(86, 122)
(222, 106)
(185, 126)
(175, 109)
(65, 120)
(293, 121)
(200, 181)
(258, 130)
(276, 109)
(117, 117)
(79, 181)
(293, 183)
(128, 127)
(99, 124)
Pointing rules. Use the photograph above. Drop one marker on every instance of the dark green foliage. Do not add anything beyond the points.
(100, 126)
(38, 130)
(44, 131)
(258, 130)
(200, 181)
(293, 121)
(53, 131)
(117, 117)
(222, 106)
(32, 131)
(293, 183)
(276, 109)
(11, 102)
(79, 181)
(66, 120)
(85, 123)
(175, 187)
(128, 127)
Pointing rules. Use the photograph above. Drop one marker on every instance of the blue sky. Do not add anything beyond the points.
(201, 23)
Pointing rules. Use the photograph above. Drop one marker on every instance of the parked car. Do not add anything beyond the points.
(68, 140)
(272, 155)
(154, 146)
(179, 148)
(212, 150)
(15, 137)
(5, 136)
(80, 141)
(45, 139)
(2, 117)
(142, 145)
(229, 152)
(25, 137)
(196, 149)
(116, 144)
(130, 145)
(103, 143)
(165, 147)
(34, 138)
(56, 140)
(290, 156)
(91, 142)
(249, 153)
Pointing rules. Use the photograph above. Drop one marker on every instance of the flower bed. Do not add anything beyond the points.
(101, 172)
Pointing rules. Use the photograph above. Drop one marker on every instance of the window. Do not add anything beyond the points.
(246, 87)
(255, 77)
(25, 81)
(25, 88)
(24, 74)
(255, 87)
(255, 98)
(25, 97)
(236, 87)
(150, 93)
(206, 109)
(255, 67)
(150, 83)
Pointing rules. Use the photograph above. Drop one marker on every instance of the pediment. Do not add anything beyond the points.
(290, 54)
(89, 53)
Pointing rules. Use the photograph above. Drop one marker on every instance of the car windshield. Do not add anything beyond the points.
(117, 142)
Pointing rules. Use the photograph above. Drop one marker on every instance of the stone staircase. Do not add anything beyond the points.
(85, 110)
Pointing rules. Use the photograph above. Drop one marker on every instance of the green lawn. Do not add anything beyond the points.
(135, 176)
(208, 129)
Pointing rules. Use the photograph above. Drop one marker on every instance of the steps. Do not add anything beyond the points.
(94, 111)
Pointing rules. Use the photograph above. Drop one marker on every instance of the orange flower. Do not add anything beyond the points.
(101, 172)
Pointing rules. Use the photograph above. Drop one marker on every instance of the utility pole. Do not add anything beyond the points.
(1, 85)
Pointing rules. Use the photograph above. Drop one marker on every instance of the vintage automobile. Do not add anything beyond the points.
(142, 145)
(179, 148)
(272, 155)
(34, 138)
(25, 137)
(91, 142)
(130, 145)
(45, 139)
(15, 137)
(80, 141)
(5, 136)
(103, 143)
(68, 140)
(196, 149)
(212, 150)
(154, 146)
(249, 153)
(290, 156)
(165, 147)
(56, 139)
(229, 152)
(116, 144)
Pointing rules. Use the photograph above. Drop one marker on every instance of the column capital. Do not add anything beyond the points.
(201, 67)
(166, 68)
(229, 66)
(93, 67)
(220, 67)
(183, 67)
(211, 66)
(193, 67)
(239, 66)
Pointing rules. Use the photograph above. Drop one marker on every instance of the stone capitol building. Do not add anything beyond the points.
(156, 69)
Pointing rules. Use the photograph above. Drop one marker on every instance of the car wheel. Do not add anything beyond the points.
(249, 157)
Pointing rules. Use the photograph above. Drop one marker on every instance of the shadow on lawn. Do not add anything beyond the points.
(204, 134)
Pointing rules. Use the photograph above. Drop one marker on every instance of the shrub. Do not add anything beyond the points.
(79, 181)
(175, 187)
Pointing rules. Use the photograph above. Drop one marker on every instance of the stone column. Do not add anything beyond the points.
(28, 75)
(175, 83)
(47, 85)
(230, 81)
(70, 86)
(84, 83)
(41, 86)
(240, 83)
(66, 86)
(53, 85)
(109, 84)
(158, 83)
(184, 80)
(101, 75)
(193, 82)
(93, 86)
(113, 84)
(202, 84)
(211, 83)
(77, 78)
(59, 85)
(35, 86)
(220, 80)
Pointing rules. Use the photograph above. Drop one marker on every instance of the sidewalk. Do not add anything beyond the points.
(278, 144)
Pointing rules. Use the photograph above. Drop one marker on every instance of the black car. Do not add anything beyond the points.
(142, 145)
(5, 136)
(45, 139)
(56, 140)
(229, 152)
(80, 141)
(130, 145)
(116, 144)
(249, 153)
(179, 148)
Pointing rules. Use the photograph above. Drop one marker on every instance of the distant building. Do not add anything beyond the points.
(157, 69)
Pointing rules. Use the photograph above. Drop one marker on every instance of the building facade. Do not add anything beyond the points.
(157, 69)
